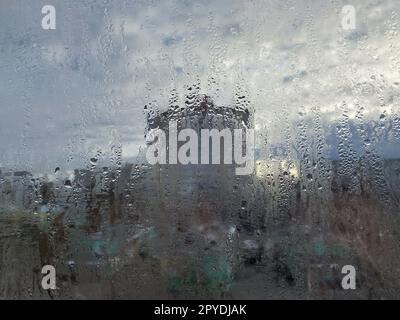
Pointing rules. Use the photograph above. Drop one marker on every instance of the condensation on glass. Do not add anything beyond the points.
(78, 104)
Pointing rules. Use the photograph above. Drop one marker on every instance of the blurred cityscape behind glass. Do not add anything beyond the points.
(76, 190)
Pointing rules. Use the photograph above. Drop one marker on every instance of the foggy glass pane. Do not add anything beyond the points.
(128, 168)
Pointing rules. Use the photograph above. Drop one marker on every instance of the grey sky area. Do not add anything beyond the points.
(79, 91)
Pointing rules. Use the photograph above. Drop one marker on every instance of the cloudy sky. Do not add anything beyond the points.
(78, 92)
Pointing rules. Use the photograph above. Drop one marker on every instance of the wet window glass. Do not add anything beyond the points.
(229, 149)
